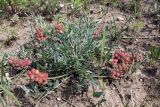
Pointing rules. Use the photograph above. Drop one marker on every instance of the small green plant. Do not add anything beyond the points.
(137, 4)
(13, 6)
(67, 48)
(153, 56)
(11, 34)
(4, 85)
(77, 4)
(50, 5)
(155, 52)
(132, 6)
(136, 25)
(112, 3)
(154, 11)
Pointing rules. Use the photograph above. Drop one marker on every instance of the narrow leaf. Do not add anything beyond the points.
(7, 92)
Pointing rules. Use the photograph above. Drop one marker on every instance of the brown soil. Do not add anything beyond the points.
(23, 34)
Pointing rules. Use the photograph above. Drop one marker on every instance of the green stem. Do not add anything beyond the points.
(57, 77)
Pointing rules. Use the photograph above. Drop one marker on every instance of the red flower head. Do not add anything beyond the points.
(115, 74)
(120, 63)
(22, 63)
(122, 56)
(25, 62)
(39, 77)
(39, 35)
(114, 61)
(59, 27)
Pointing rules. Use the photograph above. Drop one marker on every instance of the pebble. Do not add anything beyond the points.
(61, 5)
(120, 18)
(59, 99)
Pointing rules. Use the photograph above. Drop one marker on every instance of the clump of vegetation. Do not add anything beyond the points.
(5, 85)
(68, 49)
(74, 50)
(21, 6)
(154, 11)
(47, 7)
(153, 56)
(132, 6)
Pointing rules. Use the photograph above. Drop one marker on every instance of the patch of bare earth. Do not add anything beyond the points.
(22, 36)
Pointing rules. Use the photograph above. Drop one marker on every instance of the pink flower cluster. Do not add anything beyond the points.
(33, 74)
(59, 27)
(37, 76)
(19, 63)
(39, 34)
(121, 63)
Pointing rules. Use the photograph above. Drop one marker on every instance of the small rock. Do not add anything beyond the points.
(61, 5)
(120, 18)
(7, 77)
(141, 80)
(25, 25)
(59, 99)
